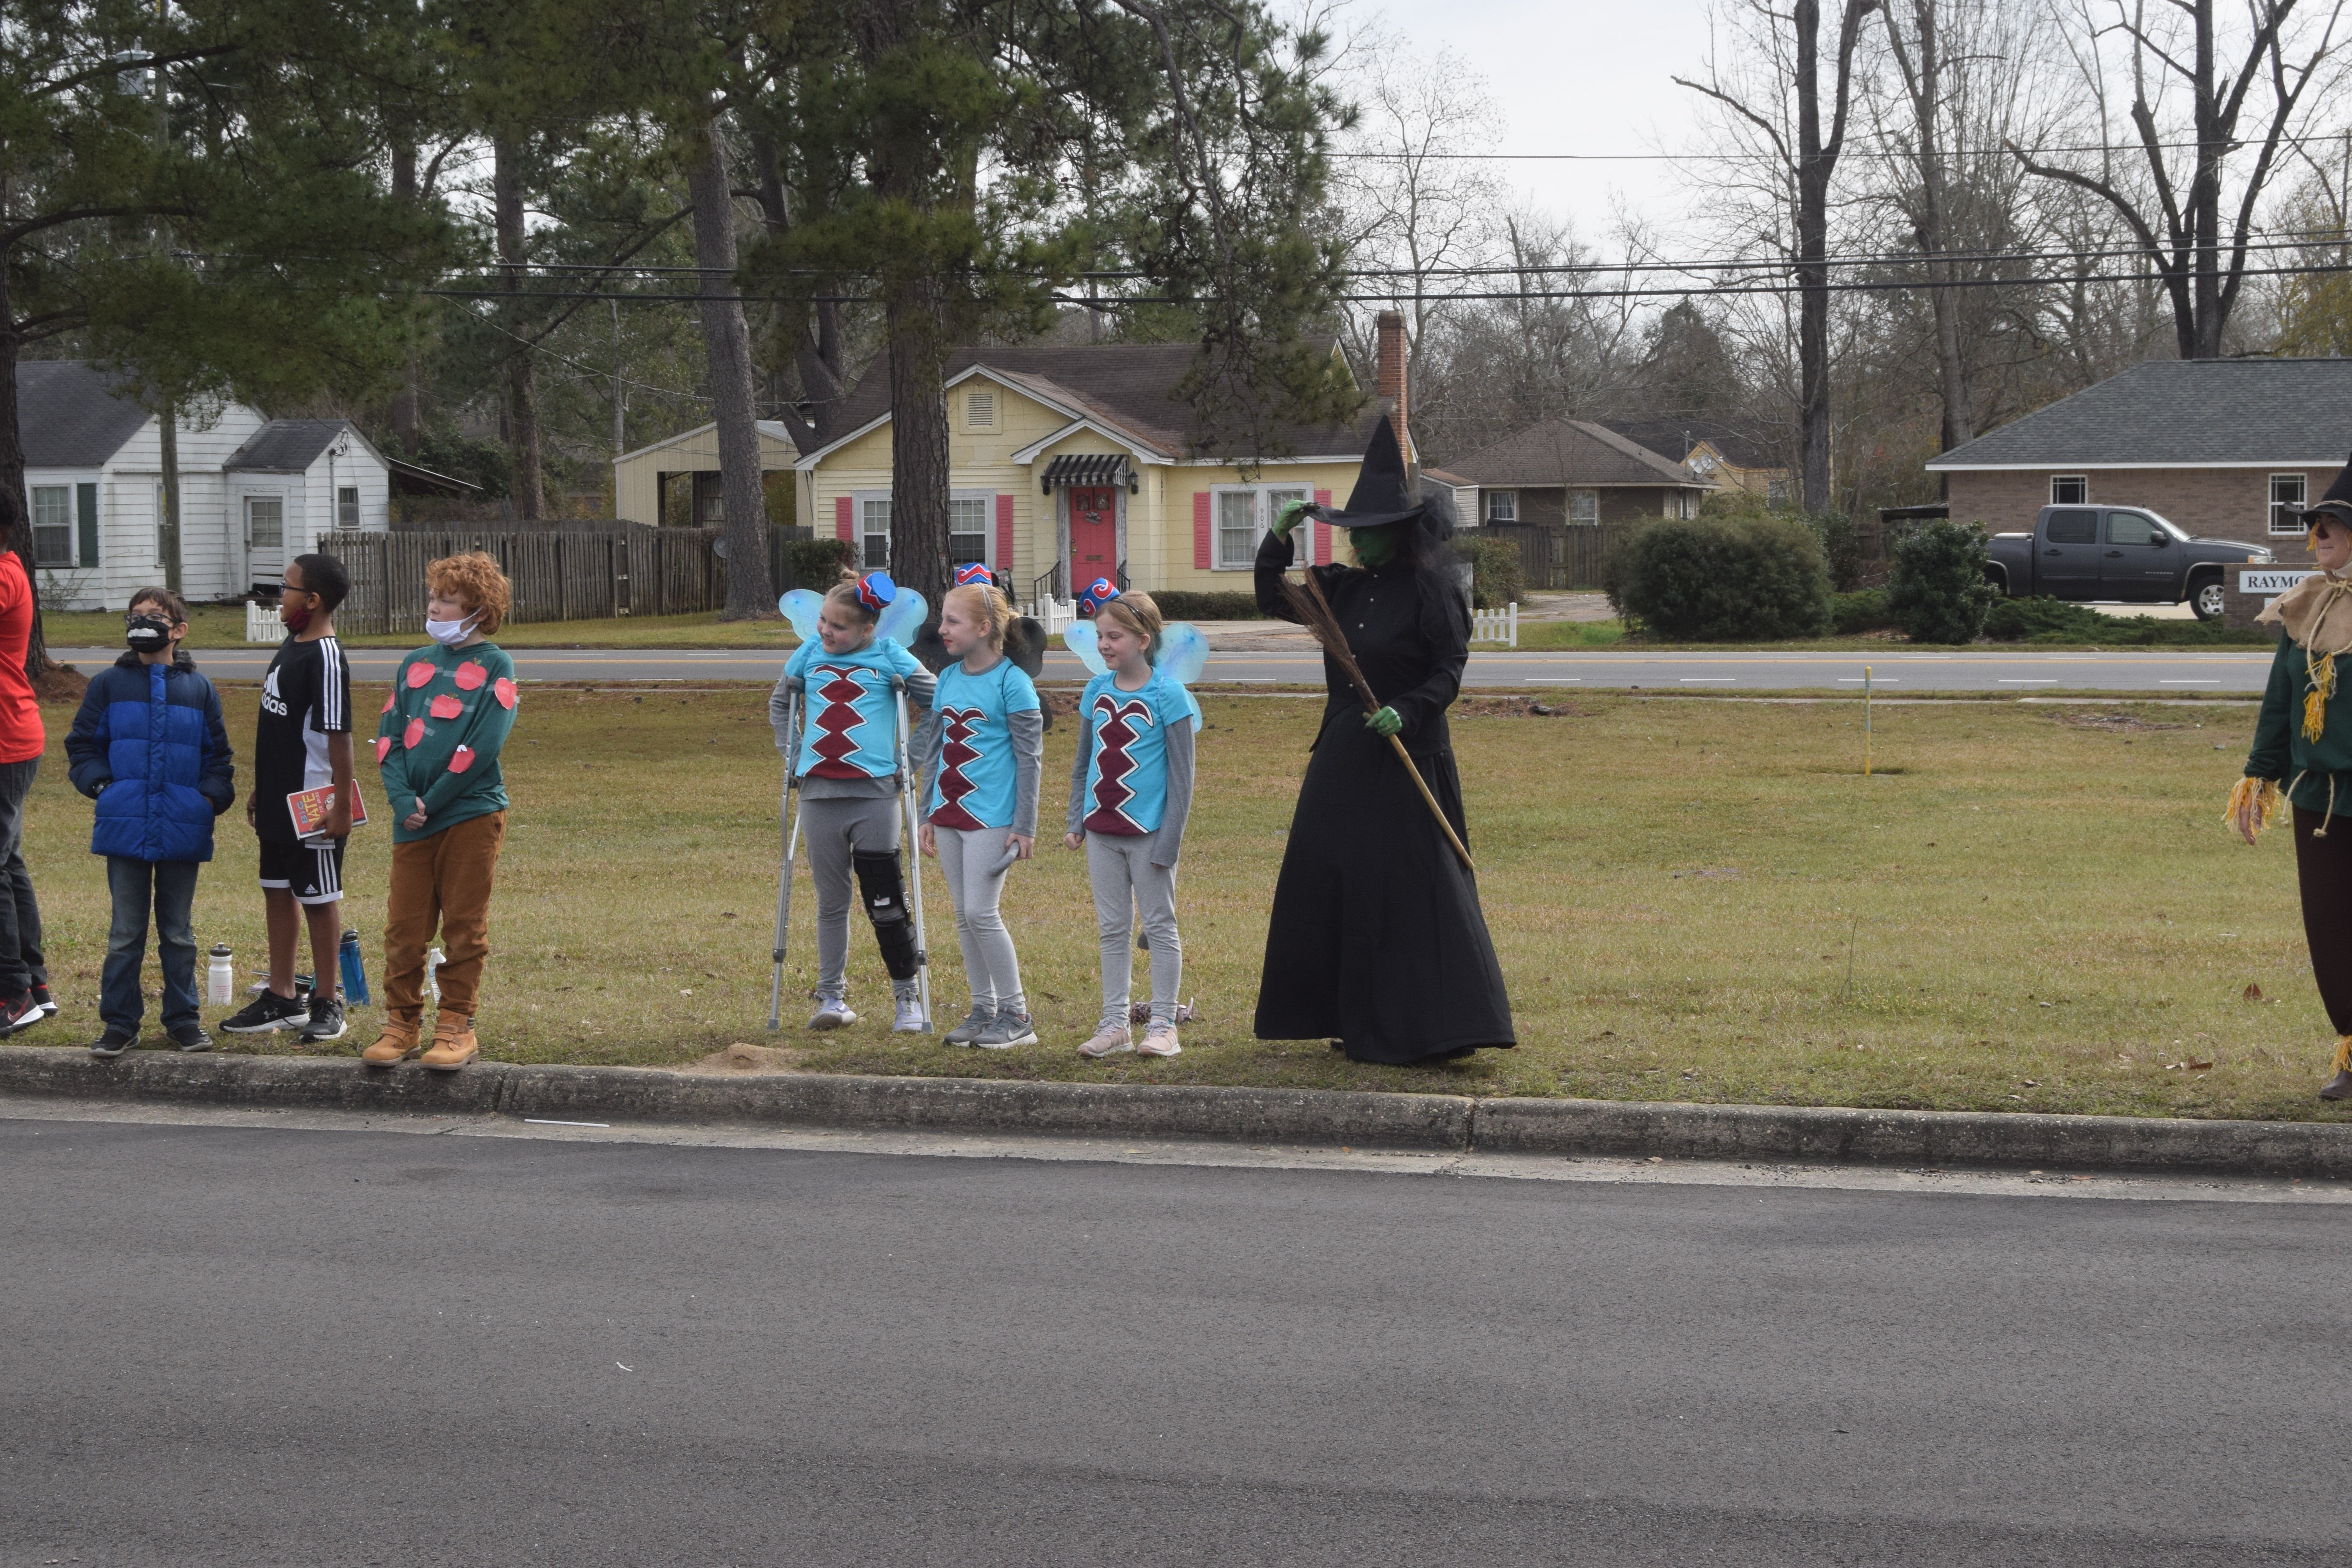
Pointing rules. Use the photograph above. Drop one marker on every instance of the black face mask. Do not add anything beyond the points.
(147, 633)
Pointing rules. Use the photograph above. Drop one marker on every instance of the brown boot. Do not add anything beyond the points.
(2340, 1086)
(453, 1043)
(397, 1044)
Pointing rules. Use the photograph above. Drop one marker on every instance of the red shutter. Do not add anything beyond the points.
(1003, 563)
(1203, 541)
(842, 522)
(1320, 547)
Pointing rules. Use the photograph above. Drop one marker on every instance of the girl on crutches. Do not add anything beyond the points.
(843, 754)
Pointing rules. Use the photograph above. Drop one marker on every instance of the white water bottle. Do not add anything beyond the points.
(220, 976)
(431, 974)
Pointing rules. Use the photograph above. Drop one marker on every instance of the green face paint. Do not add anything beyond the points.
(1373, 546)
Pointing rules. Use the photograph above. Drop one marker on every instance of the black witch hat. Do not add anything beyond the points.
(2336, 503)
(1383, 492)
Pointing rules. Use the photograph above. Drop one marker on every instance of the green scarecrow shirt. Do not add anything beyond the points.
(438, 742)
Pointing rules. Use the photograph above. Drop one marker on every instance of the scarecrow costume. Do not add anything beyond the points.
(1376, 941)
(2300, 766)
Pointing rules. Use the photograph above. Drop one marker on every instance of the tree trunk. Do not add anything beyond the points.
(167, 543)
(818, 357)
(1924, 86)
(405, 401)
(15, 521)
(1812, 277)
(918, 442)
(530, 484)
(726, 345)
(2205, 195)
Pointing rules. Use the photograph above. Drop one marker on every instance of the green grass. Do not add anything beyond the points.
(2026, 908)
(217, 626)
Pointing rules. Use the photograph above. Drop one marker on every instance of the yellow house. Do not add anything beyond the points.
(1070, 463)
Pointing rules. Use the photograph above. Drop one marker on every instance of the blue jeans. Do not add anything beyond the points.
(171, 885)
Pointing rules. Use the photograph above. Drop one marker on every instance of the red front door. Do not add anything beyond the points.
(1094, 536)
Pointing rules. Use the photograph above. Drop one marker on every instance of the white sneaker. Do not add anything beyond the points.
(1109, 1041)
(1006, 1030)
(1160, 1040)
(910, 1020)
(832, 1013)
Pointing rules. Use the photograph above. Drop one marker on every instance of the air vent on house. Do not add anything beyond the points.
(980, 411)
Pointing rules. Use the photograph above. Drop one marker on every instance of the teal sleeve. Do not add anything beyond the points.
(2273, 726)
(393, 770)
(1019, 693)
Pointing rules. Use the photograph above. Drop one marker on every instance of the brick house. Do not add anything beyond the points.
(2226, 448)
(1576, 471)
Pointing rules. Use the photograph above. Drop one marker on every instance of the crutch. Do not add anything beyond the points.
(788, 811)
(914, 862)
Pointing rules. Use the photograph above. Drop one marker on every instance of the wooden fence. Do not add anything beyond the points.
(559, 573)
(1555, 555)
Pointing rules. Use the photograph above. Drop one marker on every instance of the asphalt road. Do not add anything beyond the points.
(2165, 673)
(263, 1346)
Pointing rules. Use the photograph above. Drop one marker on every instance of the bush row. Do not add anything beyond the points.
(1769, 578)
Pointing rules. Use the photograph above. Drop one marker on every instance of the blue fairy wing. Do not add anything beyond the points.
(1183, 652)
(800, 607)
(1079, 636)
(903, 616)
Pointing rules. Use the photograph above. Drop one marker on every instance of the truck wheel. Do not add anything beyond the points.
(2205, 599)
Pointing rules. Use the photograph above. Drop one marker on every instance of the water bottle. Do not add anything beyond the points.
(355, 991)
(220, 976)
(432, 975)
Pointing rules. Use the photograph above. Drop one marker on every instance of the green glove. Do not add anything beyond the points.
(1387, 722)
(1288, 518)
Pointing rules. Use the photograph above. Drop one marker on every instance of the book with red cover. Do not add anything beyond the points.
(308, 808)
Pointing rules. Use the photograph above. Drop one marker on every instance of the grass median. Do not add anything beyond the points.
(2026, 907)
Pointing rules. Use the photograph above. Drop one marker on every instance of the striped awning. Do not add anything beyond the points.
(1090, 468)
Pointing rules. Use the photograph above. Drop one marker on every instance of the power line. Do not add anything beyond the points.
(2232, 144)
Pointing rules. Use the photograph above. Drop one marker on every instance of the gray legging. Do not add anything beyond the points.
(969, 856)
(1125, 880)
(833, 829)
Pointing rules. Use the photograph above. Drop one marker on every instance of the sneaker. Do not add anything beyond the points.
(269, 1012)
(1006, 1030)
(113, 1043)
(327, 1021)
(41, 1000)
(1109, 1040)
(907, 1004)
(1160, 1040)
(189, 1037)
(19, 1013)
(832, 1013)
(975, 1024)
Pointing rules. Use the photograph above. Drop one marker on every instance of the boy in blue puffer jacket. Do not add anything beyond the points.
(149, 748)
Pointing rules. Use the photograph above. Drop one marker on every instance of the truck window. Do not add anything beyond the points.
(2135, 528)
(2073, 528)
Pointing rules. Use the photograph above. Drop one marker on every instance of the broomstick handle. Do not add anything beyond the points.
(1372, 701)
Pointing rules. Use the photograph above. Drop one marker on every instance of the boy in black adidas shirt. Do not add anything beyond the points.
(304, 740)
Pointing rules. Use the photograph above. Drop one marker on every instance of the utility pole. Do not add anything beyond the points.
(167, 536)
(620, 396)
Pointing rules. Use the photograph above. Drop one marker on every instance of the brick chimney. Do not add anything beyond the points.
(1391, 378)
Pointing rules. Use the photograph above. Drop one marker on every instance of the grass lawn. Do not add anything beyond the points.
(2027, 908)
(215, 626)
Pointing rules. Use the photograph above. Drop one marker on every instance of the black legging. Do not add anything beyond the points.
(2323, 868)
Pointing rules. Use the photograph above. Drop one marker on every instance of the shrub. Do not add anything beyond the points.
(1720, 579)
(1938, 591)
(816, 562)
(1496, 578)
(1841, 548)
(1863, 610)
(2046, 620)
(1179, 605)
(2015, 620)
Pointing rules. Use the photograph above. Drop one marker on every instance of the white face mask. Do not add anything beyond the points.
(449, 634)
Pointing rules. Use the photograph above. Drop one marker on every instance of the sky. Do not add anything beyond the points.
(1576, 76)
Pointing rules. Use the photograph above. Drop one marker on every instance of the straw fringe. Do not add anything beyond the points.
(2344, 1054)
(2262, 794)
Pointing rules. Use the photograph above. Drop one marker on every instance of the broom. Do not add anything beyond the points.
(1314, 614)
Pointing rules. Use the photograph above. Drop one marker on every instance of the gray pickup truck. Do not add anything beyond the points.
(2122, 553)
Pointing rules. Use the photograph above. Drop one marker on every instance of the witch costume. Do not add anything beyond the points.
(2301, 764)
(1376, 941)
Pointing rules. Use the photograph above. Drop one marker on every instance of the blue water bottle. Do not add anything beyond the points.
(355, 989)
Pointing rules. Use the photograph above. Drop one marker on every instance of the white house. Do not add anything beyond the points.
(254, 493)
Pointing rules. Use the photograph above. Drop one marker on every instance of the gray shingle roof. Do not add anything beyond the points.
(1739, 446)
(2182, 414)
(1570, 452)
(71, 414)
(286, 446)
(1125, 384)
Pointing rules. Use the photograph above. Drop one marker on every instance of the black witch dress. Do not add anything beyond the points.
(1377, 940)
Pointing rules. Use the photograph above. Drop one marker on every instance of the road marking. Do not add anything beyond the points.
(2165, 682)
(1557, 680)
(1880, 680)
(1708, 680)
(2006, 681)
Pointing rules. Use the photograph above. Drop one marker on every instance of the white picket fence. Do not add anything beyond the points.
(1496, 625)
(263, 624)
(1055, 614)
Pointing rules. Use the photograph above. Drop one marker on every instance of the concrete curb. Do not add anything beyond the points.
(1316, 1117)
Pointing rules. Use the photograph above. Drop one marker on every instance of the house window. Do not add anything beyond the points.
(980, 411)
(2070, 490)
(1678, 503)
(347, 507)
(1502, 506)
(1776, 491)
(1584, 507)
(874, 533)
(53, 525)
(968, 530)
(1243, 513)
(2286, 503)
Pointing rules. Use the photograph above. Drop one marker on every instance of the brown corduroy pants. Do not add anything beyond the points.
(445, 881)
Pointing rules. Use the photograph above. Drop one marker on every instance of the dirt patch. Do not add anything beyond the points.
(60, 683)
(742, 1058)
(2118, 723)
(1514, 708)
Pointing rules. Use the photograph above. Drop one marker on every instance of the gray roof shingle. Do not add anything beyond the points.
(71, 414)
(2181, 414)
(286, 446)
(1737, 444)
(1570, 452)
